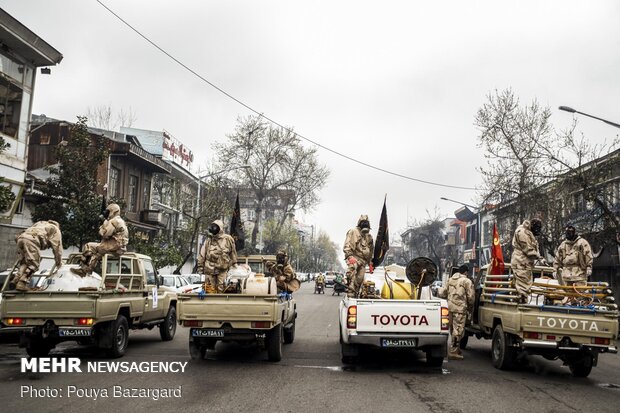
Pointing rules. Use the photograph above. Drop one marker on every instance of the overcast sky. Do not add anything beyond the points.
(392, 83)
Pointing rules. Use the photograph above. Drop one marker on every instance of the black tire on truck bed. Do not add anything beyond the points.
(169, 326)
(274, 343)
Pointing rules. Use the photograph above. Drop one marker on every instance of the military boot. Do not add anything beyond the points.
(81, 271)
(22, 286)
(454, 355)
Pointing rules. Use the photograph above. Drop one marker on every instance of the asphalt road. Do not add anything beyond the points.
(310, 378)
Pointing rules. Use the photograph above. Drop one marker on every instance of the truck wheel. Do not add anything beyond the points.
(581, 367)
(169, 326)
(503, 355)
(289, 334)
(463, 342)
(38, 348)
(119, 336)
(196, 351)
(274, 344)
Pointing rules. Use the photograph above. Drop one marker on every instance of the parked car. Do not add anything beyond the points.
(178, 282)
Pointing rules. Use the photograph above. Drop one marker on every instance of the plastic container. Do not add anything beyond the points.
(401, 290)
(259, 285)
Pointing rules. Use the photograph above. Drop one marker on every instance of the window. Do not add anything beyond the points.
(146, 195)
(150, 272)
(114, 185)
(45, 139)
(133, 193)
(10, 107)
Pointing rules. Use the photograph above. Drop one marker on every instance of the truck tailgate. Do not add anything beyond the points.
(398, 316)
(39, 305)
(580, 324)
(227, 308)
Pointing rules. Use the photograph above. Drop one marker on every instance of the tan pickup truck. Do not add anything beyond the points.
(266, 317)
(572, 324)
(127, 297)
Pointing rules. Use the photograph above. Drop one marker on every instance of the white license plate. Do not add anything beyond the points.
(207, 333)
(398, 342)
(64, 332)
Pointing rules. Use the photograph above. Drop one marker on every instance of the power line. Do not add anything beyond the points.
(184, 66)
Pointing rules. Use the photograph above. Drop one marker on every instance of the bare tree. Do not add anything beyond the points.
(279, 166)
(427, 238)
(103, 117)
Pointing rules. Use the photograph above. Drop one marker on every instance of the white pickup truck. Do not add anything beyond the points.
(383, 322)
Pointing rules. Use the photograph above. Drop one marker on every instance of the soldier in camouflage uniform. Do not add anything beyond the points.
(283, 272)
(114, 239)
(217, 255)
(40, 236)
(459, 292)
(524, 255)
(573, 259)
(358, 250)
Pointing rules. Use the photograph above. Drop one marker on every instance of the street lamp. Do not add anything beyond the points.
(478, 229)
(571, 110)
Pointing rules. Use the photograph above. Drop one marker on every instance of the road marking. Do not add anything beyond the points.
(331, 368)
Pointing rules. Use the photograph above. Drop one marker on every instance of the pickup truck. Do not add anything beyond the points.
(127, 297)
(267, 318)
(420, 324)
(576, 333)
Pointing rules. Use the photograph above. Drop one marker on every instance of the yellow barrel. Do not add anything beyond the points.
(401, 290)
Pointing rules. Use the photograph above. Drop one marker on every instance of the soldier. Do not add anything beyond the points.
(358, 249)
(283, 272)
(524, 255)
(459, 292)
(114, 239)
(573, 259)
(217, 255)
(40, 236)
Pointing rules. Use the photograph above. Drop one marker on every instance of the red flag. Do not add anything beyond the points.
(497, 257)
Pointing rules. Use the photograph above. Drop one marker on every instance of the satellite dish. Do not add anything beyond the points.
(421, 271)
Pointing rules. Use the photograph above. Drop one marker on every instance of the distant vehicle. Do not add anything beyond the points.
(195, 278)
(330, 276)
(178, 282)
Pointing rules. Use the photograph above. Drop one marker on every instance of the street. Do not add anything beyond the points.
(311, 378)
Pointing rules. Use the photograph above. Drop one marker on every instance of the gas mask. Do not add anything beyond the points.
(213, 229)
(280, 260)
(364, 226)
(106, 213)
(536, 227)
(571, 233)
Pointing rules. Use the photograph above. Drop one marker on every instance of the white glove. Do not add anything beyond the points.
(588, 272)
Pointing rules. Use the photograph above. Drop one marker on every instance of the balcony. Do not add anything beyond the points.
(154, 217)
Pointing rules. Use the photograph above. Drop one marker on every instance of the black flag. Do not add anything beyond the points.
(382, 243)
(236, 227)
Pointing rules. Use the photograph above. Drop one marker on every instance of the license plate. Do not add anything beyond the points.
(64, 332)
(398, 342)
(207, 333)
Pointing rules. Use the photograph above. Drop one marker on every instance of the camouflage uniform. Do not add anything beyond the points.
(524, 254)
(573, 261)
(40, 236)
(460, 295)
(284, 273)
(114, 239)
(217, 255)
(359, 246)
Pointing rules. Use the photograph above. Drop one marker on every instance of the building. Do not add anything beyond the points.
(21, 53)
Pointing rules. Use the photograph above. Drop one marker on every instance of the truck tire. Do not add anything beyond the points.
(119, 336)
(289, 334)
(463, 342)
(433, 361)
(169, 326)
(197, 351)
(503, 355)
(38, 348)
(274, 343)
(581, 367)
